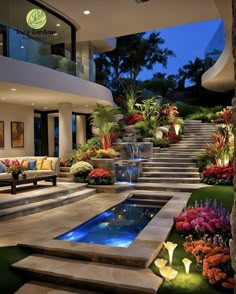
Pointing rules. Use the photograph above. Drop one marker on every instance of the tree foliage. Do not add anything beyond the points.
(133, 54)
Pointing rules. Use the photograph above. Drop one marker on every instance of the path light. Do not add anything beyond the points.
(168, 273)
(160, 262)
(186, 263)
(177, 128)
(170, 247)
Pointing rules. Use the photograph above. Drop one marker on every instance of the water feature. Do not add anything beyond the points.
(117, 226)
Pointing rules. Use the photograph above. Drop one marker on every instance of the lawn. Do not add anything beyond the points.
(195, 282)
(10, 280)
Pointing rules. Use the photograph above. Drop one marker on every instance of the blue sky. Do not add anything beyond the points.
(187, 42)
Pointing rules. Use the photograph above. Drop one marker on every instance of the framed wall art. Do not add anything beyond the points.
(17, 134)
(1, 134)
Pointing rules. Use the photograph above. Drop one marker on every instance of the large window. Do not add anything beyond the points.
(49, 41)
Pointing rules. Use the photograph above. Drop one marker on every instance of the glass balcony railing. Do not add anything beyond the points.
(24, 48)
(217, 43)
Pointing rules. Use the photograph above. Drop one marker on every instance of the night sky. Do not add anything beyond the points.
(187, 42)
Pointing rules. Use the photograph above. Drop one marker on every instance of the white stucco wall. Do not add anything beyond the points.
(19, 113)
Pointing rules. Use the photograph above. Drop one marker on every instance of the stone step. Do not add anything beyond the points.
(175, 154)
(42, 205)
(184, 149)
(35, 194)
(89, 275)
(173, 187)
(162, 174)
(167, 180)
(168, 169)
(68, 180)
(64, 169)
(65, 175)
(164, 164)
(35, 287)
(168, 159)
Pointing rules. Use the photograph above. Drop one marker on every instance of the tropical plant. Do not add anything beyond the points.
(107, 153)
(150, 111)
(103, 117)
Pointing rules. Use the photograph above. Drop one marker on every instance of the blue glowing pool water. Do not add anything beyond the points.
(118, 226)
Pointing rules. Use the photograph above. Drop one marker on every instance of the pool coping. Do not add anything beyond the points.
(140, 253)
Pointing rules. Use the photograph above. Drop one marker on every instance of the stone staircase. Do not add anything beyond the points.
(65, 175)
(173, 168)
(33, 200)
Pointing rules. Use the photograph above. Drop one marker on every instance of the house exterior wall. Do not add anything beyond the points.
(17, 113)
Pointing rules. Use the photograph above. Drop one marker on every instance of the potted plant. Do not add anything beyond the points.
(16, 170)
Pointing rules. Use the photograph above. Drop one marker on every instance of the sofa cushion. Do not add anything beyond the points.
(47, 164)
(3, 168)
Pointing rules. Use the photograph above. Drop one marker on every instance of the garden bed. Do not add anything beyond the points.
(195, 282)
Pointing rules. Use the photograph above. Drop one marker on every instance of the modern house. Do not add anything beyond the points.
(47, 71)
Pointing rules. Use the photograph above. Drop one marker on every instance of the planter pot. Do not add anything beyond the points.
(107, 164)
(15, 176)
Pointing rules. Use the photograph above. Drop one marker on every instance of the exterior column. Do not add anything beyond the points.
(233, 213)
(84, 53)
(51, 141)
(65, 130)
(80, 129)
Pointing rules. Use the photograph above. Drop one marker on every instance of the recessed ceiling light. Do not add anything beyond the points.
(22, 47)
(86, 105)
(45, 107)
(4, 98)
(58, 25)
(33, 103)
(86, 12)
(13, 89)
(1, 44)
(55, 34)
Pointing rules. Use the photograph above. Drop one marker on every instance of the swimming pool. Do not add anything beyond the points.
(117, 226)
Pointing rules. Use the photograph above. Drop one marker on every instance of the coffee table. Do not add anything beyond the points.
(28, 179)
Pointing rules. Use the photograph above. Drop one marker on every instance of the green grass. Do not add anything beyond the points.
(195, 282)
(10, 280)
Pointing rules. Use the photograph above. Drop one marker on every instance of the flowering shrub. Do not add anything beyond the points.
(203, 219)
(132, 118)
(81, 168)
(106, 153)
(218, 175)
(99, 176)
(214, 259)
(173, 138)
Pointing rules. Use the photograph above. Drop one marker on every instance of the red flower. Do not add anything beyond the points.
(99, 173)
(132, 118)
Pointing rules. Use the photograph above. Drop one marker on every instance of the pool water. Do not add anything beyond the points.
(118, 226)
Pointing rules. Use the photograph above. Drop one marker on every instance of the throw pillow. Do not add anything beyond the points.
(47, 164)
(3, 168)
(6, 162)
(32, 165)
(39, 163)
(25, 164)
